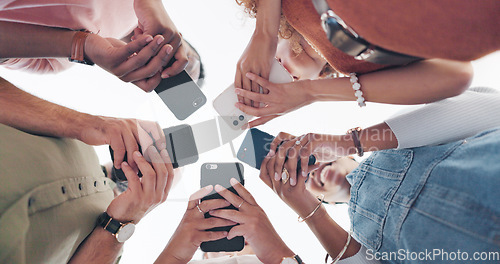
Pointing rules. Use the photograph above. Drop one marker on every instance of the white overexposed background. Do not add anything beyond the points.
(219, 30)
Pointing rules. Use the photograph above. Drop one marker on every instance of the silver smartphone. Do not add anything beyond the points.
(181, 95)
(224, 104)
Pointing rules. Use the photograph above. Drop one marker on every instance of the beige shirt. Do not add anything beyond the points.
(51, 193)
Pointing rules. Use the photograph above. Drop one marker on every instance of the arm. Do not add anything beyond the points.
(191, 231)
(329, 233)
(254, 225)
(140, 198)
(261, 49)
(154, 19)
(37, 116)
(113, 55)
(421, 82)
(448, 120)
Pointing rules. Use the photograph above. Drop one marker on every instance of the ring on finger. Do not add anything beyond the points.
(199, 209)
(285, 176)
(242, 202)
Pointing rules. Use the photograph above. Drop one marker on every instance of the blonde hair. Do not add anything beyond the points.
(286, 31)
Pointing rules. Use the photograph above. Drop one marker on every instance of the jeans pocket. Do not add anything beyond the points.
(374, 184)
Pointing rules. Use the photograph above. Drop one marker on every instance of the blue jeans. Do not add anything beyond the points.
(440, 199)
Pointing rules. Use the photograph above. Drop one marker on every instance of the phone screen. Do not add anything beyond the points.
(221, 173)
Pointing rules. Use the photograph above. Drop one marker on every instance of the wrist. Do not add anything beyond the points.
(305, 204)
(310, 96)
(337, 89)
(84, 126)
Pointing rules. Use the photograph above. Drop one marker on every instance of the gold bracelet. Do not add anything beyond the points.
(349, 235)
(320, 198)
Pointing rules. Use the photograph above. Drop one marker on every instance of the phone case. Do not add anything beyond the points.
(181, 145)
(181, 95)
(255, 147)
(221, 173)
(224, 103)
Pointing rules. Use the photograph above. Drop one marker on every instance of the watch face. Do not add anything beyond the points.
(289, 261)
(125, 232)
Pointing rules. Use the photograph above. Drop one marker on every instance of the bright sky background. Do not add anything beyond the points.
(220, 31)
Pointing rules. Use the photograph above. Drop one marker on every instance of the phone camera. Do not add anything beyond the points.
(211, 166)
(198, 101)
(241, 117)
(235, 122)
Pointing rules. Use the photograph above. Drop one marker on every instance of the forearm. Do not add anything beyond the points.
(31, 41)
(167, 256)
(268, 18)
(422, 82)
(99, 247)
(31, 114)
(330, 234)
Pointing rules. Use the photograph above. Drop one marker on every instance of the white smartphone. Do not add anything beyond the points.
(224, 103)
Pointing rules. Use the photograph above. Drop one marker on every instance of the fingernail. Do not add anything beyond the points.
(160, 40)
(148, 39)
(218, 188)
(233, 181)
(271, 153)
(207, 187)
(137, 153)
(225, 233)
(237, 91)
(283, 175)
(124, 164)
(304, 174)
(237, 105)
(276, 176)
(292, 181)
(164, 75)
(248, 75)
(211, 211)
(169, 49)
(163, 145)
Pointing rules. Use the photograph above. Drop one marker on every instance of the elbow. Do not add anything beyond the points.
(460, 79)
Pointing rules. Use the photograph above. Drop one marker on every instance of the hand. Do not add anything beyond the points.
(253, 224)
(296, 197)
(123, 135)
(153, 20)
(323, 147)
(191, 232)
(330, 179)
(257, 58)
(281, 99)
(139, 61)
(143, 194)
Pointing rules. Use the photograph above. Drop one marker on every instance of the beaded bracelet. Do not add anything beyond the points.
(320, 198)
(357, 89)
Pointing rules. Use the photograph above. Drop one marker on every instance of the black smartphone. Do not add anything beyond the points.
(181, 149)
(221, 173)
(181, 145)
(181, 95)
(255, 147)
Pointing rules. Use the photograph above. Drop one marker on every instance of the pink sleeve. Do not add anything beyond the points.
(38, 65)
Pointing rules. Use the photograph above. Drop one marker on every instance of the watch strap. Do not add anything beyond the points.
(108, 223)
(298, 259)
(78, 48)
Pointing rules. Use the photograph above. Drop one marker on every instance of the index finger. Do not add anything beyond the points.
(181, 61)
(195, 197)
